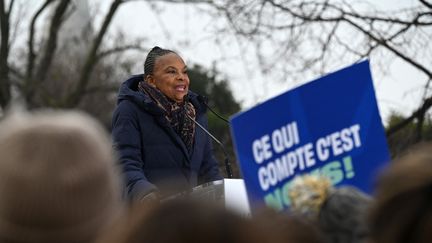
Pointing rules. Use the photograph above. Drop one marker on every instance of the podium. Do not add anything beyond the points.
(230, 192)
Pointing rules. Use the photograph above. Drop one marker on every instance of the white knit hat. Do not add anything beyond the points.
(58, 181)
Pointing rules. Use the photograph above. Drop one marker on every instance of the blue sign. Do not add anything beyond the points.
(329, 126)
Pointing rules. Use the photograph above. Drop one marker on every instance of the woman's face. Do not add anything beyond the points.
(170, 76)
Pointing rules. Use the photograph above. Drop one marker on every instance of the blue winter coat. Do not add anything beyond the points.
(151, 154)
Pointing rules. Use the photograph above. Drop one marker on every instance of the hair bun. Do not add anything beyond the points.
(156, 48)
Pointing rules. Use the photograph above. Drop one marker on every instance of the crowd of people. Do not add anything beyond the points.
(61, 180)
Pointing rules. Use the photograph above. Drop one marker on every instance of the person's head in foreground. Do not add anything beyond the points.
(58, 181)
(339, 212)
(289, 228)
(184, 221)
(403, 208)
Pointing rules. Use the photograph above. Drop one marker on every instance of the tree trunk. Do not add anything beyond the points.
(4, 54)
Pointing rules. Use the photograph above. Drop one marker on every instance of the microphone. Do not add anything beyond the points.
(227, 162)
(204, 100)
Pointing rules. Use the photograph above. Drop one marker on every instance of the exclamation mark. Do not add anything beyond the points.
(349, 172)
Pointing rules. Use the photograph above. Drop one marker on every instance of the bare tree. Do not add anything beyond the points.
(47, 54)
(5, 12)
(299, 37)
(44, 64)
(75, 96)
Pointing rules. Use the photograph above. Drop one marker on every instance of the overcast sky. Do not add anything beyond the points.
(190, 32)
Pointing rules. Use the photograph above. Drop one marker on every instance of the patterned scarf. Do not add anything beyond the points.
(175, 113)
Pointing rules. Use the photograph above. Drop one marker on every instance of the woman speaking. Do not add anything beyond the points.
(159, 147)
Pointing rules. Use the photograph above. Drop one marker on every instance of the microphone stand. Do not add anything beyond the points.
(227, 162)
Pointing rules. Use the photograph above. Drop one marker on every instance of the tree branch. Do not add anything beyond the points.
(4, 54)
(119, 49)
(31, 55)
(392, 20)
(343, 17)
(75, 96)
(101, 89)
(11, 4)
(390, 48)
(379, 29)
(416, 114)
(429, 5)
(176, 1)
(49, 50)
(14, 30)
(307, 18)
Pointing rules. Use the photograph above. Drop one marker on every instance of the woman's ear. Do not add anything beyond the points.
(150, 80)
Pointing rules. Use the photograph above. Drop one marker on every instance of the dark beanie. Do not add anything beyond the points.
(58, 181)
(343, 216)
